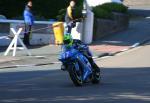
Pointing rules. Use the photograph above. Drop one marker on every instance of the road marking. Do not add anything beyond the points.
(135, 96)
(135, 45)
(102, 58)
(147, 17)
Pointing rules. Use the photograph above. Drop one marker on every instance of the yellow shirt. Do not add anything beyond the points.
(69, 11)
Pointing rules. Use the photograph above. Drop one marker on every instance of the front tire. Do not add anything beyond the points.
(76, 76)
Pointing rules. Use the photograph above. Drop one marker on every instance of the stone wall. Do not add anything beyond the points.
(105, 27)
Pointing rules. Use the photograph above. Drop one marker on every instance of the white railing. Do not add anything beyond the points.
(45, 37)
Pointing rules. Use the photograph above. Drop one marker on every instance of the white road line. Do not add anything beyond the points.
(135, 45)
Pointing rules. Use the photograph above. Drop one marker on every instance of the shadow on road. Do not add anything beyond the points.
(119, 85)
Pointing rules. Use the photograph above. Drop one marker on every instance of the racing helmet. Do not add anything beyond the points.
(68, 40)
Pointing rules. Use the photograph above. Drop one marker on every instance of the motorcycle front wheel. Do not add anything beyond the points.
(75, 74)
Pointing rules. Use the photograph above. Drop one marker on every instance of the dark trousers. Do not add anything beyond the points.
(69, 29)
(70, 26)
(27, 33)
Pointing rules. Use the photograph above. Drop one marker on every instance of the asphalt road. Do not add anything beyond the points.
(125, 79)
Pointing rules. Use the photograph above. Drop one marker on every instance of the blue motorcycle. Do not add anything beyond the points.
(80, 65)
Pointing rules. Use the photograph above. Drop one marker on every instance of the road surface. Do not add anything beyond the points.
(125, 79)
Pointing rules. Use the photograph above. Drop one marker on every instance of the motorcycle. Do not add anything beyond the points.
(79, 65)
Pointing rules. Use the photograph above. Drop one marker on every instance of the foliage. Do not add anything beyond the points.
(102, 13)
(61, 15)
(115, 7)
(45, 8)
(106, 10)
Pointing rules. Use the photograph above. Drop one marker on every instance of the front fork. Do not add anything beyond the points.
(87, 69)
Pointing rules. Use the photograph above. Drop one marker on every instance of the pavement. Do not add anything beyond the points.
(137, 33)
(41, 55)
(138, 7)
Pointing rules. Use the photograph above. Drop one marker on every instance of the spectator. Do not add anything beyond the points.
(29, 21)
(69, 18)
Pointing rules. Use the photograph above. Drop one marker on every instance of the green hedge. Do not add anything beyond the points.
(61, 15)
(102, 13)
(106, 10)
(115, 7)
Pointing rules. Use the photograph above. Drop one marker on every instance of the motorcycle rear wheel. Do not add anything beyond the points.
(96, 76)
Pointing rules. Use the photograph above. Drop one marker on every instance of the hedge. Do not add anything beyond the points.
(115, 7)
(105, 11)
(102, 13)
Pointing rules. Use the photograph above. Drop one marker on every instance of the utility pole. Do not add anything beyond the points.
(88, 21)
(84, 13)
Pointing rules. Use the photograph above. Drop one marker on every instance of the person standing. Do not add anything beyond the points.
(69, 18)
(29, 21)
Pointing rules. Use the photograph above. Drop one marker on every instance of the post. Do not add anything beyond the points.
(87, 24)
(84, 13)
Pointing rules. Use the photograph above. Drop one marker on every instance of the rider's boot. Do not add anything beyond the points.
(63, 67)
